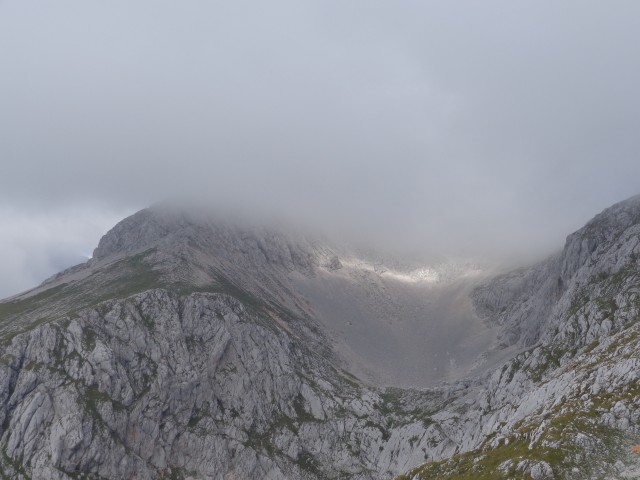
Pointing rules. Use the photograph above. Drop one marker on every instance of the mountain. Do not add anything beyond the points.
(567, 406)
(191, 346)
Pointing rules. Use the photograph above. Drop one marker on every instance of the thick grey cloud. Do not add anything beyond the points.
(480, 127)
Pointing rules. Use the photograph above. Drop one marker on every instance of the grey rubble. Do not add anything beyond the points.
(188, 348)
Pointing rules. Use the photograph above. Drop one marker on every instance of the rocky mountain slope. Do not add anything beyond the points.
(569, 405)
(196, 348)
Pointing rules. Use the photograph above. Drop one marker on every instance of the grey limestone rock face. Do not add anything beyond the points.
(195, 385)
(571, 396)
(190, 348)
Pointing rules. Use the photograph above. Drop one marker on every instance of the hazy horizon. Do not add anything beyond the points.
(490, 130)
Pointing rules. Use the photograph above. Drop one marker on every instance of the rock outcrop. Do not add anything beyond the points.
(568, 406)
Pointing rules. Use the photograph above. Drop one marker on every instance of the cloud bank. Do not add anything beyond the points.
(491, 128)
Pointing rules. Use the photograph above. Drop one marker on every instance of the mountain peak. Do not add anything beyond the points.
(133, 233)
(173, 230)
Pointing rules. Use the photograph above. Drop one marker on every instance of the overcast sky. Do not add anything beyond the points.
(483, 128)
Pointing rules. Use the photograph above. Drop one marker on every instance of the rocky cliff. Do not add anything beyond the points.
(567, 406)
(198, 348)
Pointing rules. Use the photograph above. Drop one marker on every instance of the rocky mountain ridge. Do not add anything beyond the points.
(567, 407)
(188, 348)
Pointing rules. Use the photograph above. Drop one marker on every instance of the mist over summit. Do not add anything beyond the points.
(393, 320)
(431, 127)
